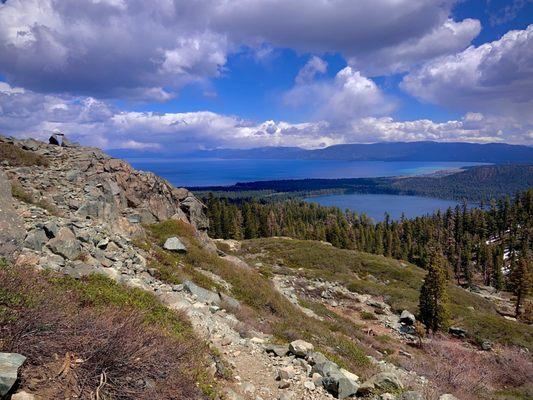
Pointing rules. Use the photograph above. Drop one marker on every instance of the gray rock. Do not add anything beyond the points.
(340, 386)
(35, 239)
(11, 225)
(22, 395)
(174, 244)
(9, 366)
(278, 350)
(448, 396)
(458, 332)
(286, 373)
(316, 357)
(407, 318)
(377, 304)
(78, 270)
(411, 395)
(486, 345)
(326, 368)
(384, 381)
(202, 295)
(65, 244)
(300, 348)
(51, 229)
(229, 301)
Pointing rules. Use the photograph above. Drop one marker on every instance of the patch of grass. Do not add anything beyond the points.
(19, 157)
(397, 282)
(277, 315)
(368, 315)
(18, 192)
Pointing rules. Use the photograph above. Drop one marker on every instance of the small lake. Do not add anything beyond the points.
(193, 172)
(375, 205)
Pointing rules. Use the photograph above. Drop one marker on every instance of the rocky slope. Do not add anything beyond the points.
(79, 214)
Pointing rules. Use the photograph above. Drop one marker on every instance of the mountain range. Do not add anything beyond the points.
(498, 153)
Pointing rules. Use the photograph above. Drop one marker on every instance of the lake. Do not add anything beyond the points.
(222, 172)
(375, 205)
(194, 172)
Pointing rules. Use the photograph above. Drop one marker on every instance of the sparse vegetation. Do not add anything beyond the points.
(398, 283)
(18, 192)
(19, 157)
(79, 333)
(263, 306)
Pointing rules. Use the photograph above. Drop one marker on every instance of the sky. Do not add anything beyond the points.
(182, 75)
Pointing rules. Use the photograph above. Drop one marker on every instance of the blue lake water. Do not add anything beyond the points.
(218, 172)
(375, 205)
(222, 172)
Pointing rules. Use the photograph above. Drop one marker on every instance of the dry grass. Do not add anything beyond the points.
(264, 308)
(84, 338)
(470, 374)
(18, 157)
(19, 193)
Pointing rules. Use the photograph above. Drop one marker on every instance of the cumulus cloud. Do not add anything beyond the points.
(150, 50)
(92, 122)
(449, 37)
(495, 77)
(372, 33)
(348, 95)
(136, 49)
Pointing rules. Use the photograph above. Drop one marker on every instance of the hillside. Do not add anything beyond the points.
(473, 184)
(389, 151)
(111, 288)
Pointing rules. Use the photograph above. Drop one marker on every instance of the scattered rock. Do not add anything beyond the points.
(407, 318)
(486, 345)
(277, 350)
(300, 348)
(448, 396)
(11, 226)
(9, 366)
(340, 386)
(286, 373)
(174, 244)
(203, 295)
(384, 381)
(22, 395)
(65, 244)
(326, 368)
(458, 332)
(411, 395)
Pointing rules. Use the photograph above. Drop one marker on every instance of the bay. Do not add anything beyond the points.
(194, 172)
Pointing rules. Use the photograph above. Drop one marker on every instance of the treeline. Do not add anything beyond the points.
(491, 182)
(480, 241)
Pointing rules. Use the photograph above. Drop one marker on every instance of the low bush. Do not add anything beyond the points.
(96, 339)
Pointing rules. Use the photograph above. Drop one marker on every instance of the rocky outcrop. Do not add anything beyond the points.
(11, 227)
(9, 366)
(88, 183)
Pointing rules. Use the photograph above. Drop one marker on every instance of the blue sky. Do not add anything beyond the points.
(172, 74)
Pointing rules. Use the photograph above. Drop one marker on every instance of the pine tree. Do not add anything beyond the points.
(521, 281)
(433, 294)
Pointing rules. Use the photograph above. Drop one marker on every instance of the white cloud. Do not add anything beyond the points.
(495, 77)
(150, 50)
(93, 122)
(311, 69)
(447, 38)
(136, 49)
(348, 95)
(379, 36)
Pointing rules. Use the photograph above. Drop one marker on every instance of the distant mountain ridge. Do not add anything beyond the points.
(390, 151)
